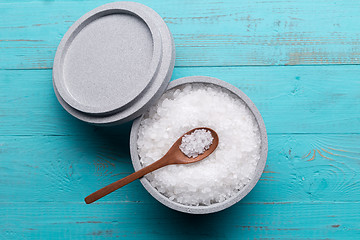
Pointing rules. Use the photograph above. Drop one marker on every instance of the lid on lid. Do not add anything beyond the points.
(113, 63)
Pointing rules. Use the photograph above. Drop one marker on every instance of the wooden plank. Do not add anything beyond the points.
(68, 168)
(206, 33)
(291, 99)
(310, 187)
(52, 220)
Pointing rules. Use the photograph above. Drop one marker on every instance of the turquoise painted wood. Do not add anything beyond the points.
(299, 61)
(301, 167)
(206, 33)
(291, 99)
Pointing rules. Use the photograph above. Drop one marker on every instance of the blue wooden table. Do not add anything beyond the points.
(298, 60)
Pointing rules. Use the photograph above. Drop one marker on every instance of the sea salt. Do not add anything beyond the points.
(196, 143)
(222, 174)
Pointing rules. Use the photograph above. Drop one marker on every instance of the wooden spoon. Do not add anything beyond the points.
(173, 156)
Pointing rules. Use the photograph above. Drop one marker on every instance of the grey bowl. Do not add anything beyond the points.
(217, 206)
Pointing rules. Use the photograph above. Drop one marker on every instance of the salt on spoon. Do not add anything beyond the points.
(193, 146)
(196, 143)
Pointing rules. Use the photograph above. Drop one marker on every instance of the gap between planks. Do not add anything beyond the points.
(215, 66)
(74, 135)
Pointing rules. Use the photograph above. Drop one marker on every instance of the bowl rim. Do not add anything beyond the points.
(230, 201)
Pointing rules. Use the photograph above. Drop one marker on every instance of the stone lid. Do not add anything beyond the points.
(113, 63)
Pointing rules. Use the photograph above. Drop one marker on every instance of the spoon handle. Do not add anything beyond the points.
(128, 179)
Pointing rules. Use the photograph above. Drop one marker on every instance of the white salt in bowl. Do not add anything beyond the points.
(214, 207)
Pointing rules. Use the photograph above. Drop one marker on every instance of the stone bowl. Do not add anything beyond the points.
(216, 206)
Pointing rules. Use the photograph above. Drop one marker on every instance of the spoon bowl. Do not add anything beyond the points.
(176, 156)
(173, 156)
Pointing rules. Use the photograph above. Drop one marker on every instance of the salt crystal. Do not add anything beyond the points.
(196, 143)
(224, 172)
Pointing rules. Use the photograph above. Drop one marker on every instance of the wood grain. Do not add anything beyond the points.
(294, 197)
(297, 60)
(206, 33)
(291, 99)
(48, 220)
(64, 168)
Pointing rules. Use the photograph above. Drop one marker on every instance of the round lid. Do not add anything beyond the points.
(113, 62)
